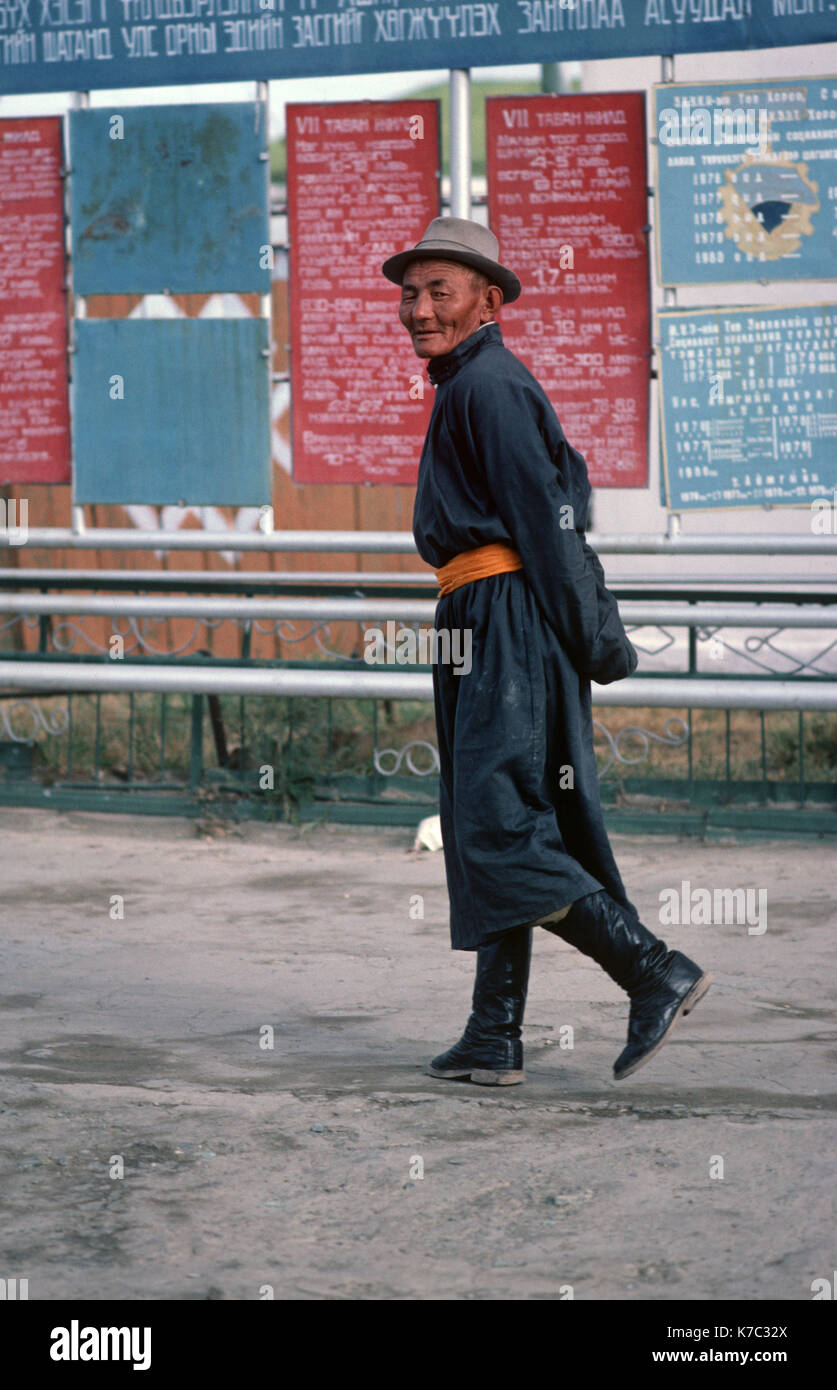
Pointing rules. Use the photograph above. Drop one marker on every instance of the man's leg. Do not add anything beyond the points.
(490, 1051)
(552, 919)
(662, 985)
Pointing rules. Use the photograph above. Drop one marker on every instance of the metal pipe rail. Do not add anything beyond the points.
(402, 543)
(407, 610)
(637, 692)
(34, 577)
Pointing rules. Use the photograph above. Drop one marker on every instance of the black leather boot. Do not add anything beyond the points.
(662, 985)
(490, 1050)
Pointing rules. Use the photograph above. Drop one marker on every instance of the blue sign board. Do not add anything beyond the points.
(169, 198)
(61, 45)
(171, 411)
(746, 180)
(749, 405)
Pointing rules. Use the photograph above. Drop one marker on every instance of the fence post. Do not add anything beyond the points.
(196, 750)
(460, 142)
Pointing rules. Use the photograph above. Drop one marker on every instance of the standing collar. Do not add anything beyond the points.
(439, 369)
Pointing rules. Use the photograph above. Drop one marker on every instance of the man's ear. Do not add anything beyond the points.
(493, 300)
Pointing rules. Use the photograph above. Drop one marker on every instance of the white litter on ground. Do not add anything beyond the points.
(429, 833)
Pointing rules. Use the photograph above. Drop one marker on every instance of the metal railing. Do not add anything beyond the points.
(402, 542)
(217, 678)
(135, 729)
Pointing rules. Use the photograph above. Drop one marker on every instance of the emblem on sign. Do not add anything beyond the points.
(767, 204)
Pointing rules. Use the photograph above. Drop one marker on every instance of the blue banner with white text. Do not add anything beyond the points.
(65, 45)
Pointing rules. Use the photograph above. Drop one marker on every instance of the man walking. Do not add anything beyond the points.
(500, 514)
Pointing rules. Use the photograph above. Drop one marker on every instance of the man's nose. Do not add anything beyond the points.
(423, 307)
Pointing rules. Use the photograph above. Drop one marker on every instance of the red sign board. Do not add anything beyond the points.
(34, 410)
(567, 202)
(363, 184)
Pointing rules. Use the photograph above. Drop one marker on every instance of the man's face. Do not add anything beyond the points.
(441, 305)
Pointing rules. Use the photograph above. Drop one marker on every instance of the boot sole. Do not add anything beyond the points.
(693, 998)
(481, 1077)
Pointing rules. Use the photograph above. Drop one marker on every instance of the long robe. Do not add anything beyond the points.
(522, 824)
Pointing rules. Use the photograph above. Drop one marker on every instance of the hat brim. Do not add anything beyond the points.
(508, 282)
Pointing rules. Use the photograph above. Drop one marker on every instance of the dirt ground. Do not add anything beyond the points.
(296, 1168)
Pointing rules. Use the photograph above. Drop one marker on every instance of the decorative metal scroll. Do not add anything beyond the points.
(676, 733)
(673, 737)
(55, 722)
(757, 645)
(405, 755)
(660, 640)
(726, 650)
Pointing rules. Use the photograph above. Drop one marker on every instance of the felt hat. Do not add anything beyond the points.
(457, 239)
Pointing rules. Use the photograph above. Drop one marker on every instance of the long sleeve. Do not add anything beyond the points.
(539, 484)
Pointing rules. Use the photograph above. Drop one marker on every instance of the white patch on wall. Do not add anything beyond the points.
(280, 404)
(157, 306)
(224, 306)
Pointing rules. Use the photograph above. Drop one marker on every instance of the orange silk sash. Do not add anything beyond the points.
(496, 558)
